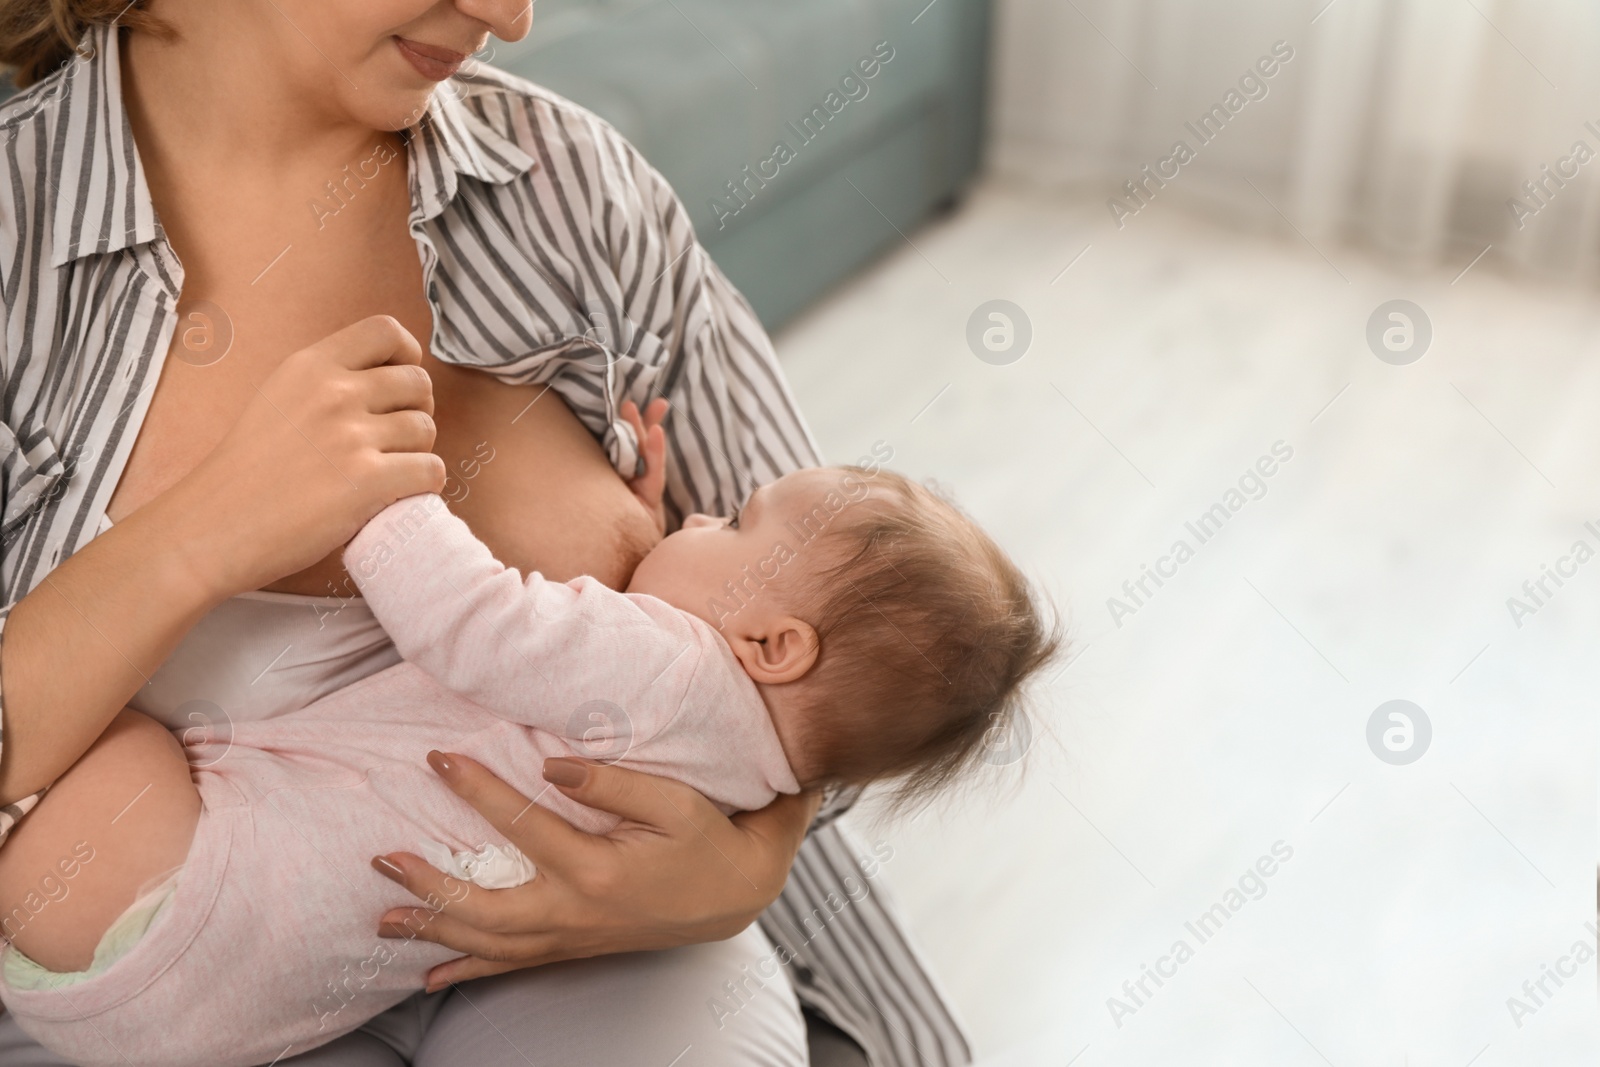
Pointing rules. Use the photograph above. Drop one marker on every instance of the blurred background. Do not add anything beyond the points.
(1172, 319)
(1098, 267)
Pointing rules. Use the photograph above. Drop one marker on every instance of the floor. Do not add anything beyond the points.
(1215, 727)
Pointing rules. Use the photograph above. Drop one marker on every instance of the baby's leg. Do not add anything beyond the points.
(123, 815)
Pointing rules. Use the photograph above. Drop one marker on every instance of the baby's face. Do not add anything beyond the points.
(722, 568)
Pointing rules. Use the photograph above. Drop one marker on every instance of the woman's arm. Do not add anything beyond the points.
(676, 872)
(86, 638)
(336, 432)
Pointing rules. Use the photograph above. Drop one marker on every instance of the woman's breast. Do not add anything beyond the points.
(260, 655)
(528, 479)
(531, 481)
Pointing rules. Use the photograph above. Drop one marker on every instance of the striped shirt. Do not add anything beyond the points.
(552, 254)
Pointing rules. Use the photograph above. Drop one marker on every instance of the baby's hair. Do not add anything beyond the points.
(927, 633)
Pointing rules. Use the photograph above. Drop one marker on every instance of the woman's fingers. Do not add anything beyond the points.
(459, 933)
(440, 893)
(643, 798)
(467, 968)
(546, 838)
(675, 871)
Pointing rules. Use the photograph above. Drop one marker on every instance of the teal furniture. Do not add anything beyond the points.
(707, 88)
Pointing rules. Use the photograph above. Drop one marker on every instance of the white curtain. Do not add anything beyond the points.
(1409, 125)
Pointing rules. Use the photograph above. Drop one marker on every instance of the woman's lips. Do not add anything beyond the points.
(431, 61)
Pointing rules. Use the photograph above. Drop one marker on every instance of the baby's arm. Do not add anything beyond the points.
(529, 650)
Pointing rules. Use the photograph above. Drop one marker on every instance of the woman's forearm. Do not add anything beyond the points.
(338, 430)
(78, 646)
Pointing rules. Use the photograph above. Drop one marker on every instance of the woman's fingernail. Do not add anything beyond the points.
(388, 869)
(558, 770)
(442, 764)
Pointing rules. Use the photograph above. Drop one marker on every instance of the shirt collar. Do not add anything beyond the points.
(449, 140)
(102, 201)
(108, 205)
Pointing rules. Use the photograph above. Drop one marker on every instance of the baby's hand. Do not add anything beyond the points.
(651, 485)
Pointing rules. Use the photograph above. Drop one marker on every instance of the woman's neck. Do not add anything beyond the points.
(211, 104)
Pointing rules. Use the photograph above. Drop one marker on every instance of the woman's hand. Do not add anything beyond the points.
(338, 431)
(675, 872)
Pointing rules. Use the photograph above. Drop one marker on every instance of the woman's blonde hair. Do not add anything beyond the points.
(37, 36)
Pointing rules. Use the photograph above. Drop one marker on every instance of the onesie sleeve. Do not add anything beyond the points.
(530, 650)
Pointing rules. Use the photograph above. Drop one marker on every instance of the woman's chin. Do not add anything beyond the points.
(392, 100)
(403, 109)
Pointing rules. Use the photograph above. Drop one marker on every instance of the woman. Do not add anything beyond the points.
(173, 442)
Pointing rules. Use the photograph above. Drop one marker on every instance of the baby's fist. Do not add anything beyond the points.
(650, 486)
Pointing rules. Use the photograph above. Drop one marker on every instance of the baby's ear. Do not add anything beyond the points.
(783, 651)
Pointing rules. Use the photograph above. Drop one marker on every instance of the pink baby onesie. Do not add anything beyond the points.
(269, 946)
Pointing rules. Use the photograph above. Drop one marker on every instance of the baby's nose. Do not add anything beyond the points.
(698, 519)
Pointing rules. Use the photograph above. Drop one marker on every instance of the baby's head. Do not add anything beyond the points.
(889, 635)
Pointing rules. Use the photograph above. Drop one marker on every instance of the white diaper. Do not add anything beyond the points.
(491, 867)
(23, 973)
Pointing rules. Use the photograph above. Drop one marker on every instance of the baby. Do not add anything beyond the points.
(844, 626)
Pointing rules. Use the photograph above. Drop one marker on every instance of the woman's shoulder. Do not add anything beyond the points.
(566, 136)
(506, 102)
